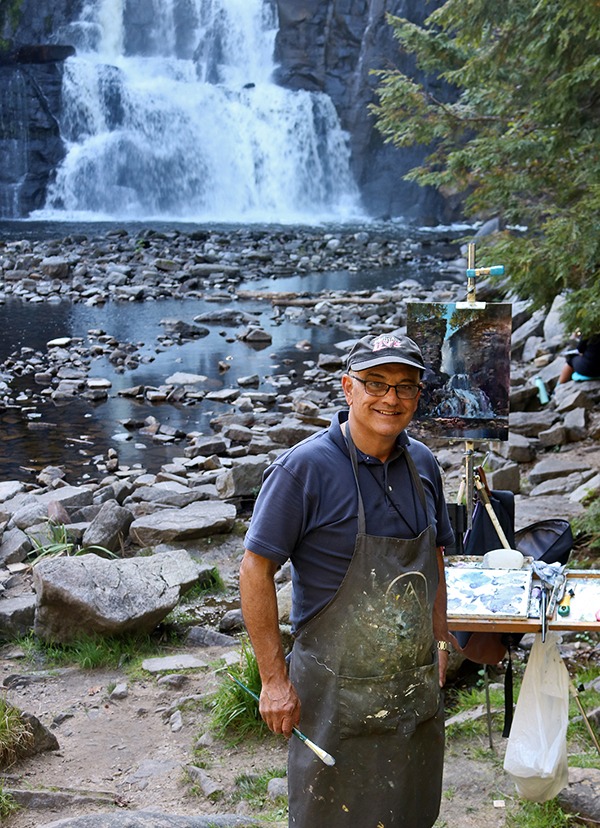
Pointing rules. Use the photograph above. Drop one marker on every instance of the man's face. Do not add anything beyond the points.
(383, 416)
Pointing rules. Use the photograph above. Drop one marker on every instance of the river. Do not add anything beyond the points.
(72, 434)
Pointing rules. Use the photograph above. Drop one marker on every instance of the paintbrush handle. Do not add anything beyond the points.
(325, 757)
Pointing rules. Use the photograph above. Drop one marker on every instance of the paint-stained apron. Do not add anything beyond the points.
(366, 672)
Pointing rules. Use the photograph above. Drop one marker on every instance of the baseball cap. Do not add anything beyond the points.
(385, 348)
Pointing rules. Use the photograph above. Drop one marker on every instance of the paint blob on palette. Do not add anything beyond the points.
(501, 593)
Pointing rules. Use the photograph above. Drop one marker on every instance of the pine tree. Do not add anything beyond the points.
(514, 125)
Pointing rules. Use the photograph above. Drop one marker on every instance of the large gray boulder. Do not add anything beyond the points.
(90, 595)
(198, 520)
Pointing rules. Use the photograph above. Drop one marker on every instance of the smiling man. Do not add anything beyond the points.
(359, 511)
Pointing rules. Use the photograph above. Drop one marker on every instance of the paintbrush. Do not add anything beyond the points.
(325, 757)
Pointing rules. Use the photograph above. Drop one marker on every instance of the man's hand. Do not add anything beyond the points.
(280, 707)
(279, 704)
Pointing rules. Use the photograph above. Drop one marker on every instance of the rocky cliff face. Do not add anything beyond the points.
(333, 46)
(31, 147)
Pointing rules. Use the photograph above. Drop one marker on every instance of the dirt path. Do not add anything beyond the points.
(129, 753)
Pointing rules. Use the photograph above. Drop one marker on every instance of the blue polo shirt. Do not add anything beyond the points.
(306, 511)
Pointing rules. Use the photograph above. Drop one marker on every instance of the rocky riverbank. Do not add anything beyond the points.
(550, 461)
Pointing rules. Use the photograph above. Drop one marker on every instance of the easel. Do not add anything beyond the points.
(471, 480)
(467, 488)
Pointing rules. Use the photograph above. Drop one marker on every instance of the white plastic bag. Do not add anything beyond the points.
(536, 754)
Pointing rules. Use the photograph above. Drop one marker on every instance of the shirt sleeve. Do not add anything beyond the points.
(278, 518)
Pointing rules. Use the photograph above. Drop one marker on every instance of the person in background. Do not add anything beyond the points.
(584, 361)
(359, 511)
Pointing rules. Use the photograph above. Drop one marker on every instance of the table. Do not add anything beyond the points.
(586, 581)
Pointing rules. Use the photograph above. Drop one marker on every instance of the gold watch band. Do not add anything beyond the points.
(444, 645)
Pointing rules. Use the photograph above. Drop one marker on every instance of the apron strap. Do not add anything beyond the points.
(416, 480)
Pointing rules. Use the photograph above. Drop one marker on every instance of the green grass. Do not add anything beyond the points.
(213, 583)
(253, 787)
(234, 711)
(466, 699)
(93, 652)
(587, 526)
(15, 734)
(60, 545)
(8, 805)
(537, 815)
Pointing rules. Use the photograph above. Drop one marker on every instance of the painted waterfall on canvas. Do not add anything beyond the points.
(466, 350)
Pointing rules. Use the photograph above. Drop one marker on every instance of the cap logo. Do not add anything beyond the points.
(384, 341)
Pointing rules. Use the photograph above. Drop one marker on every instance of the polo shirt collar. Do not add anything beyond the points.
(338, 438)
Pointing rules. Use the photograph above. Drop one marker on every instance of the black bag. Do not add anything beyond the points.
(549, 540)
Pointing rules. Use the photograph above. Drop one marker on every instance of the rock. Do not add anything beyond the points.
(9, 488)
(556, 435)
(183, 661)
(110, 528)
(517, 448)
(16, 616)
(154, 819)
(291, 431)
(587, 489)
(206, 637)
(91, 595)
(198, 520)
(42, 739)
(208, 786)
(120, 692)
(506, 478)
(552, 467)
(575, 424)
(530, 423)
(15, 546)
(244, 478)
(277, 787)
(582, 796)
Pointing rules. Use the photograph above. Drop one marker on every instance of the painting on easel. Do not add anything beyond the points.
(467, 379)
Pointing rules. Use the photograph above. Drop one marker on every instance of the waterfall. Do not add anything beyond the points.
(169, 111)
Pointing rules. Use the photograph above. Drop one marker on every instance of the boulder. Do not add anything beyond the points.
(16, 616)
(87, 594)
(552, 467)
(109, 528)
(198, 520)
(14, 547)
(243, 479)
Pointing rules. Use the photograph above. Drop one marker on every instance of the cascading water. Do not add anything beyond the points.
(169, 112)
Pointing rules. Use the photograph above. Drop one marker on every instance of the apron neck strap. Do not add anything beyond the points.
(415, 477)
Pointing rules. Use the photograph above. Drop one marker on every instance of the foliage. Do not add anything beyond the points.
(253, 788)
(15, 734)
(587, 525)
(92, 652)
(513, 123)
(212, 583)
(235, 710)
(61, 545)
(8, 804)
(538, 815)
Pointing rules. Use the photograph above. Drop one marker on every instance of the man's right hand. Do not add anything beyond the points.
(279, 704)
(280, 707)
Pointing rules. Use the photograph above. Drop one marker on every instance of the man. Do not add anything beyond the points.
(359, 510)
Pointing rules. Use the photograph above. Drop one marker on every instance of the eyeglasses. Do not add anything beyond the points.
(405, 391)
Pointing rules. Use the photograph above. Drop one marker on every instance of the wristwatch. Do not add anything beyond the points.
(444, 645)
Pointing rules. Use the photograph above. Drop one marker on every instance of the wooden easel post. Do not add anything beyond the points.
(472, 274)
